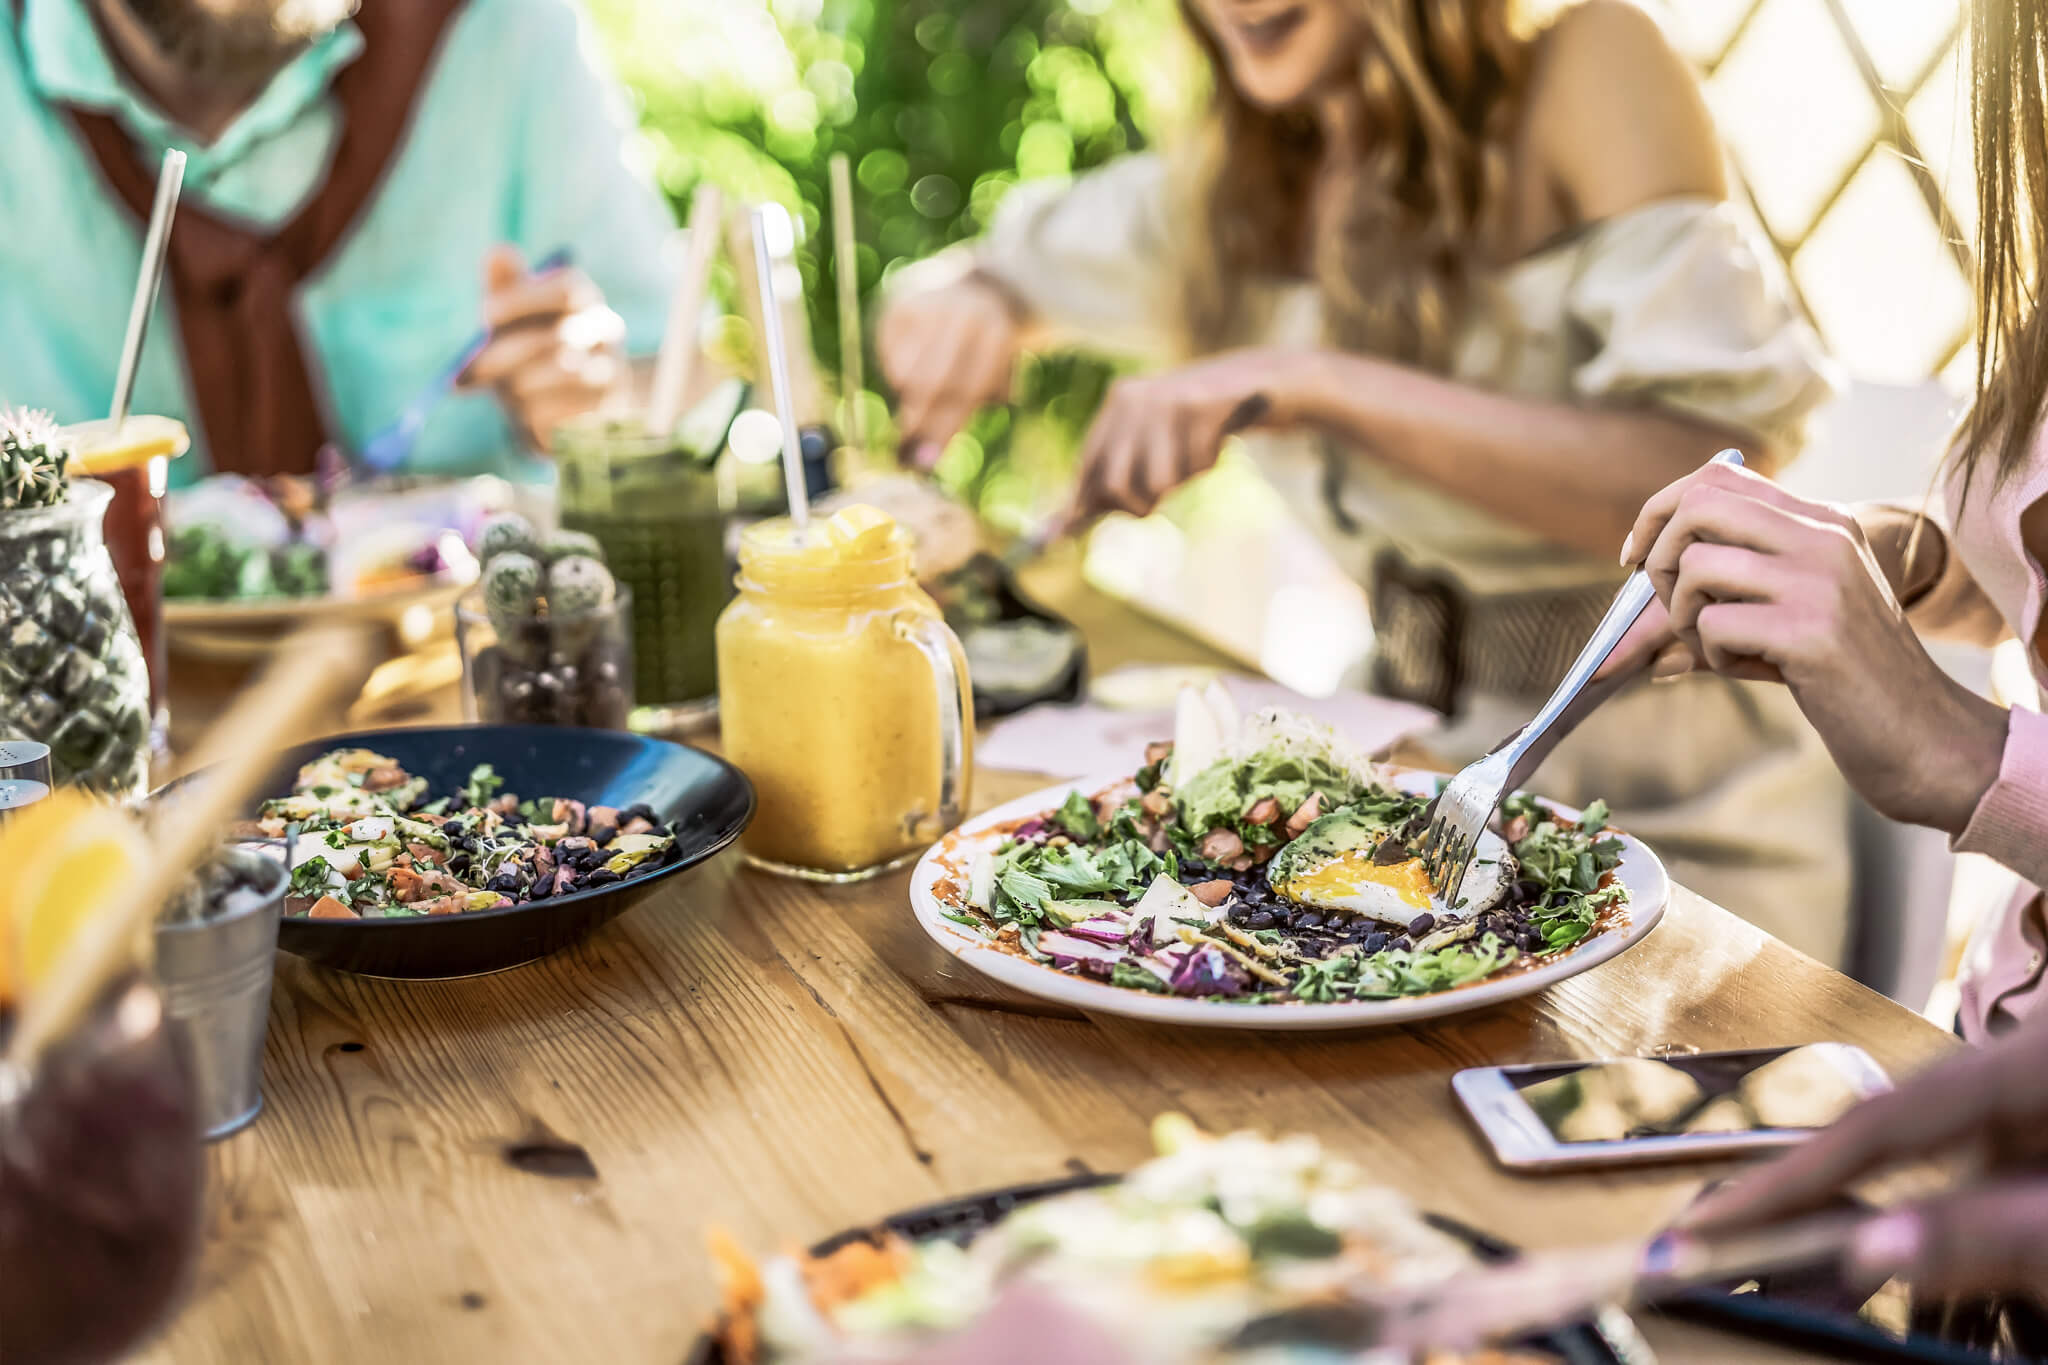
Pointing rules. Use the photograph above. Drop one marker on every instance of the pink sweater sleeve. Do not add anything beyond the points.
(2011, 822)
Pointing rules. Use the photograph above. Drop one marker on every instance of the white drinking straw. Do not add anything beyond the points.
(676, 363)
(156, 246)
(778, 371)
(846, 267)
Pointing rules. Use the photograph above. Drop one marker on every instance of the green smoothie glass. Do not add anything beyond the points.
(653, 504)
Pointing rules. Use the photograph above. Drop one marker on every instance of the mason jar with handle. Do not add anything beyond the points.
(844, 697)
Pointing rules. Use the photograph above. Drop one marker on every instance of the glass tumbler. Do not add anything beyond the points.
(547, 670)
(653, 505)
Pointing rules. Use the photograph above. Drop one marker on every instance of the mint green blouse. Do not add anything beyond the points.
(519, 137)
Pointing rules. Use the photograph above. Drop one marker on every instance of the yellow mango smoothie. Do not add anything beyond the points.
(843, 696)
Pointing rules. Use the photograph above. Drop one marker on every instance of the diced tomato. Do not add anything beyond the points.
(1221, 846)
(1305, 815)
(327, 907)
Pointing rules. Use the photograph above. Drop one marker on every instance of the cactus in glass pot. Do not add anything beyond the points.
(71, 670)
(32, 460)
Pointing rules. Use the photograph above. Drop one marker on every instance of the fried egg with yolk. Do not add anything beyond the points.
(1395, 893)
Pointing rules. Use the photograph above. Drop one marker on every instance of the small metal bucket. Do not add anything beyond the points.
(214, 974)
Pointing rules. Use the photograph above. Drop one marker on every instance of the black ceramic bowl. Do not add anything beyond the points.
(709, 800)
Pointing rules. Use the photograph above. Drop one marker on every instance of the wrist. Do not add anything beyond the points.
(1322, 388)
(1908, 546)
(1004, 294)
(1965, 760)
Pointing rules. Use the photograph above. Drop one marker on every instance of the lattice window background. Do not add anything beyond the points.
(1848, 123)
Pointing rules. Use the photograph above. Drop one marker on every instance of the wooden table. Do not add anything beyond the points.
(521, 1166)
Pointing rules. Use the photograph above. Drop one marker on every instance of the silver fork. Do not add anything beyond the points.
(1468, 803)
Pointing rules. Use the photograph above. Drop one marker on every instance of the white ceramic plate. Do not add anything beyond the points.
(1640, 872)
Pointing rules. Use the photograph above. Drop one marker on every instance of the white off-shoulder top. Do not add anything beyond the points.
(1675, 305)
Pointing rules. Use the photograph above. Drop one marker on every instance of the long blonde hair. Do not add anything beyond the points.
(2010, 40)
(1442, 81)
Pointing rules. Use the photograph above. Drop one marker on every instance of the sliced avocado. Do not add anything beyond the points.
(1341, 831)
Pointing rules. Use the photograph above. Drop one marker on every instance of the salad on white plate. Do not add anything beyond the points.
(1261, 860)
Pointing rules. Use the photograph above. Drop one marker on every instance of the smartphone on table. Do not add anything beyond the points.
(1630, 1110)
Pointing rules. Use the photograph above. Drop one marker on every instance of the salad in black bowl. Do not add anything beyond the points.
(453, 850)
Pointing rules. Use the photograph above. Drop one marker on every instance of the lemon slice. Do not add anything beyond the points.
(67, 858)
(102, 448)
(860, 528)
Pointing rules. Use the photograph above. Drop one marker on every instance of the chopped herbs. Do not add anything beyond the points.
(1569, 861)
(309, 879)
(484, 783)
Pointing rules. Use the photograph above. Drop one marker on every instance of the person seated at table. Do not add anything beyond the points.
(362, 192)
(1473, 294)
(1825, 598)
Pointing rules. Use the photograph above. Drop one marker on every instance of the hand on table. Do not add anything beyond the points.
(947, 352)
(1764, 585)
(555, 351)
(1155, 432)
(1989, 1237)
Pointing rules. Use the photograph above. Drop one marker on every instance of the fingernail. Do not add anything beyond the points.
(1888, 1246)
(1670, 669)
(1628, 549)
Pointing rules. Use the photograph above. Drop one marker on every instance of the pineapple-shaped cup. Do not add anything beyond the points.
(71, 669)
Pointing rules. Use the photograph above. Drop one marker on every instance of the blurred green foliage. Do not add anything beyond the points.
(942, 106)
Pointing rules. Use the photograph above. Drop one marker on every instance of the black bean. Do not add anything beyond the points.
(1400, 943)
(1309, 919)
(1529, 941)
(459, 864)
(642, 810)
(1259, 919)
(603, 834)
(542, 889)
(604, 876)
(506, 883)
(1422, 924)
